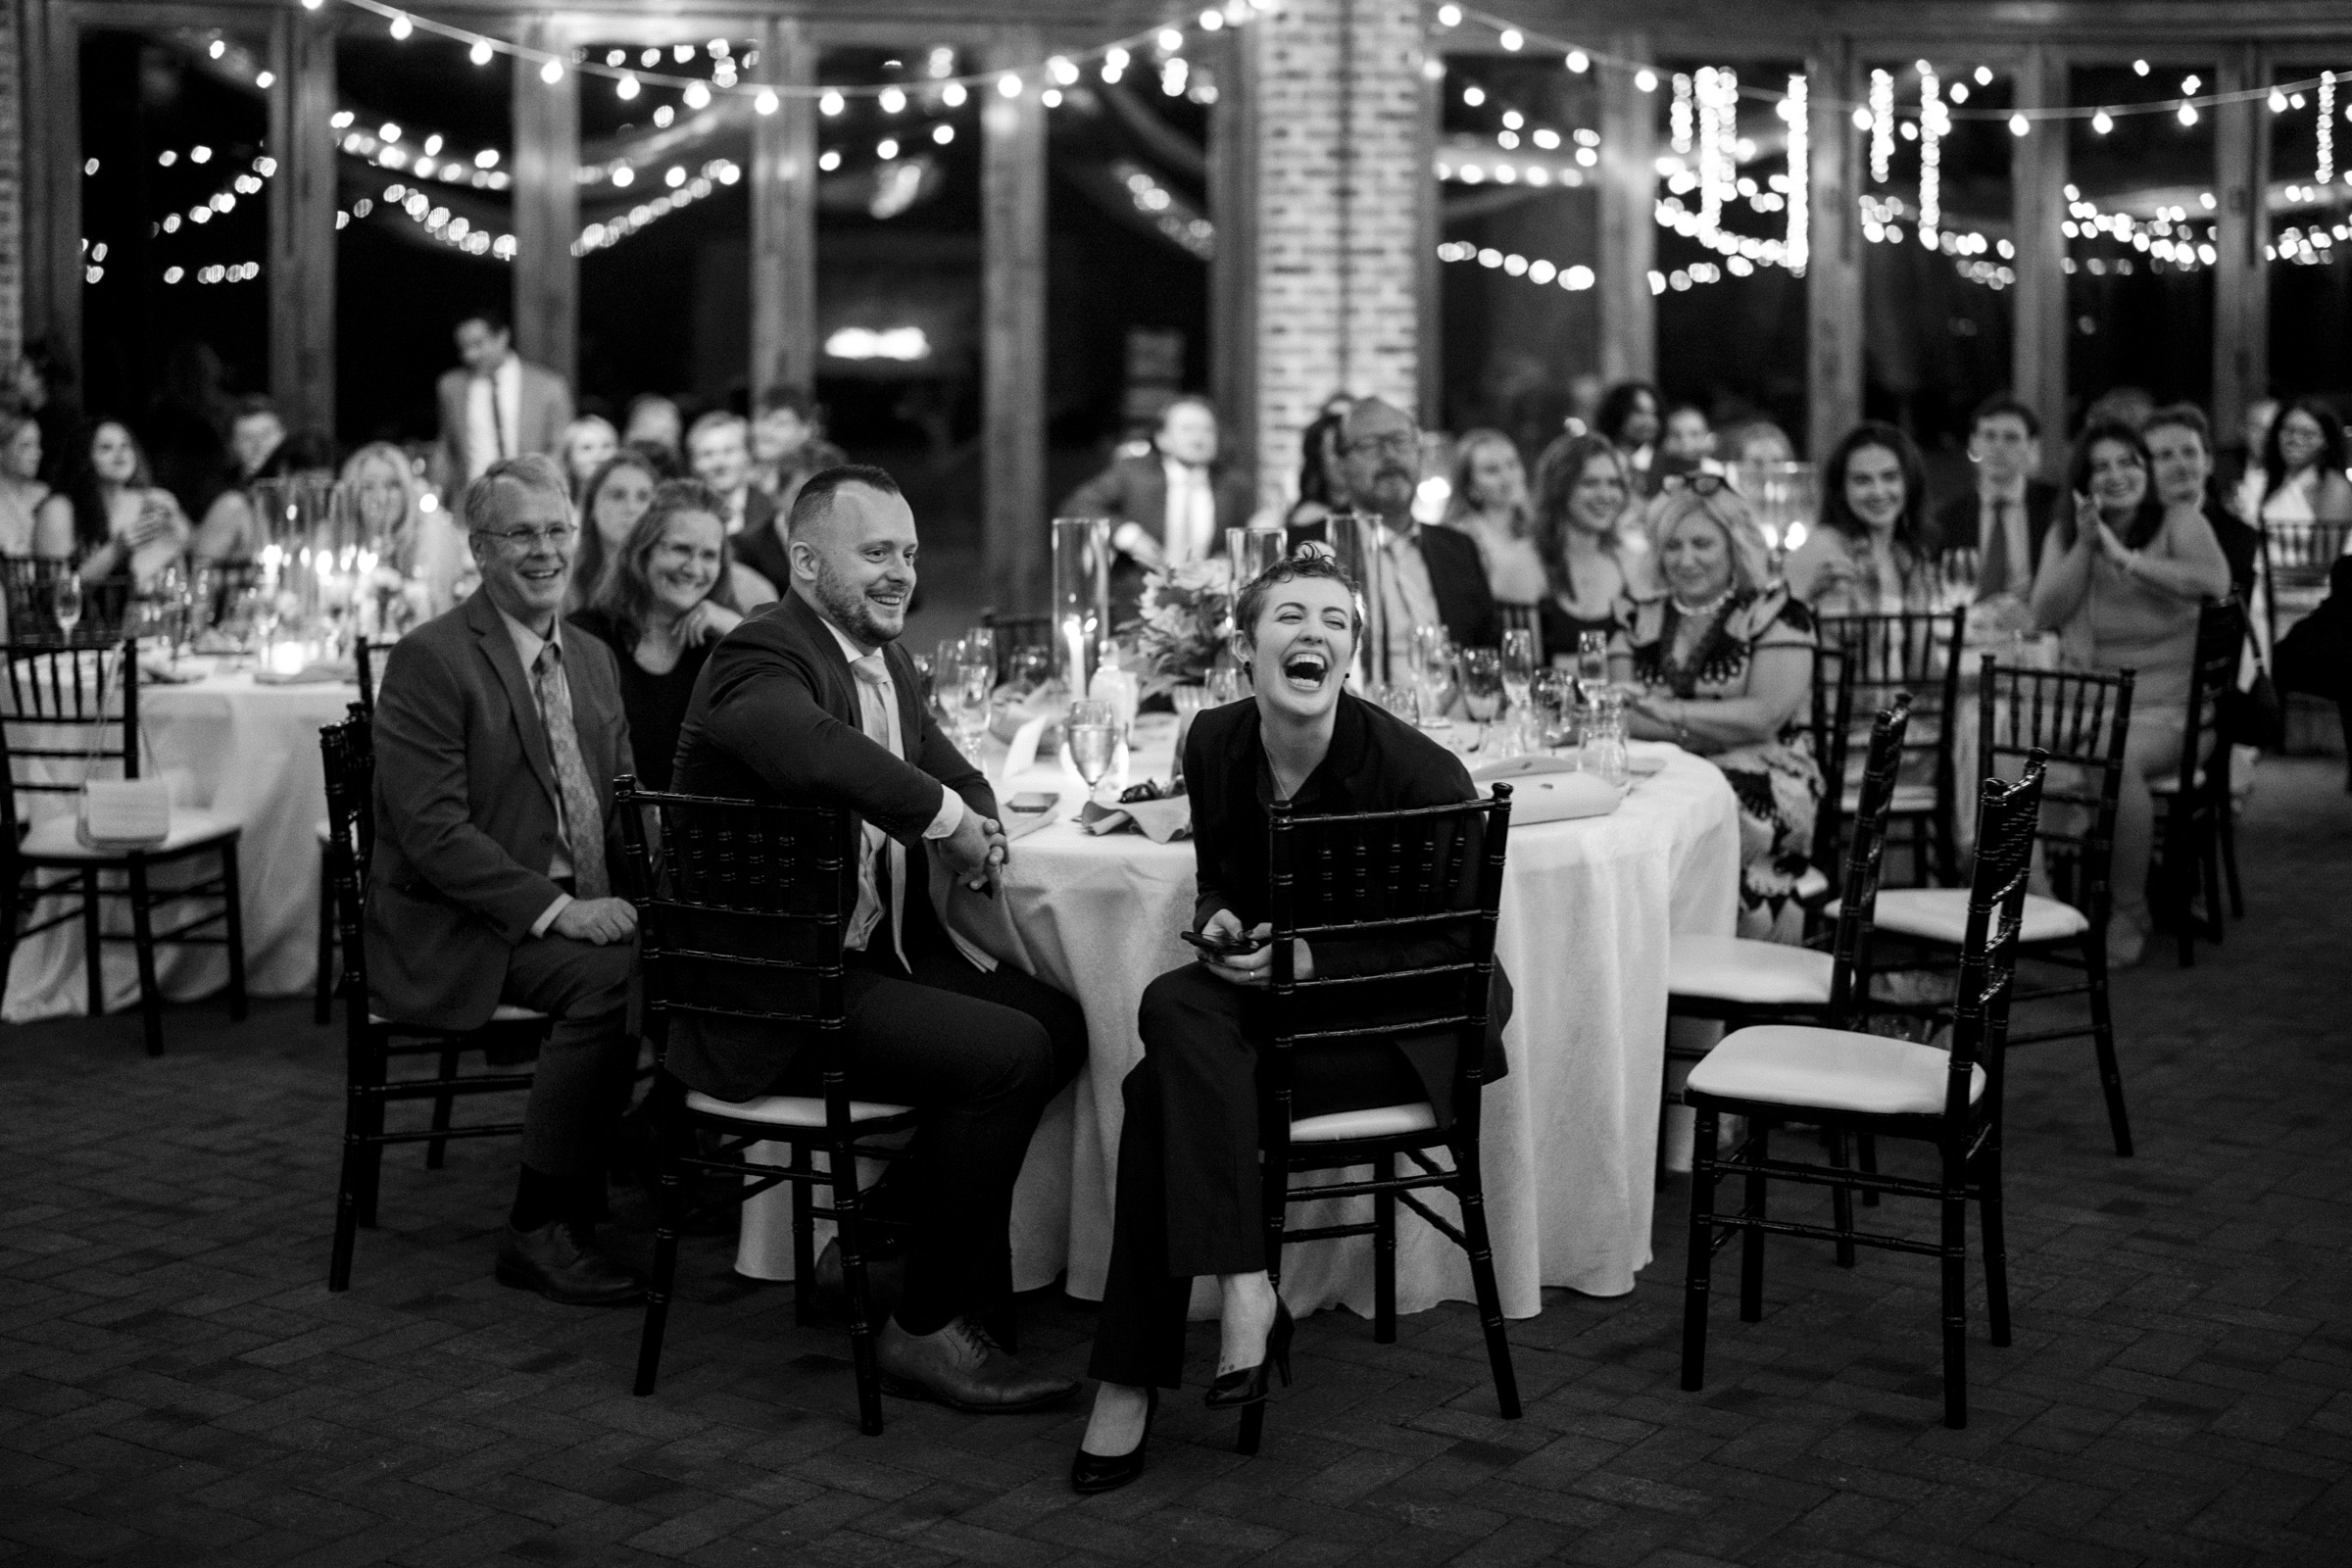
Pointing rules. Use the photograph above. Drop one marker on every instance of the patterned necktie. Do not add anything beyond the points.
(1992, 573)
(584, 818)
(878, 716)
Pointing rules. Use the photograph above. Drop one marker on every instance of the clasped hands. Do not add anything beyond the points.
(1253, 969)
(976, 852)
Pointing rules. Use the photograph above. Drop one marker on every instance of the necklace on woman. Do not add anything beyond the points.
(1693, 612)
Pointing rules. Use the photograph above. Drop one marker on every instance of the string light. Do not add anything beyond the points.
(1677, 116)
(1881, 127)
(1796, 248)
(2325, 170)
(1932, 126)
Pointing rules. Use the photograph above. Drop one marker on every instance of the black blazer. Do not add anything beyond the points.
(761, 543)
(1957, 528)
(1377, 763)
(465, 808)
(774, 719)
(1457, 576)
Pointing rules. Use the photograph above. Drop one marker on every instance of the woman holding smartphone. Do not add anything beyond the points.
(1189, 1196)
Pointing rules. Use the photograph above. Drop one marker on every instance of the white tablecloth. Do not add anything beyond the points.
(251, 752)
(1569, 1135)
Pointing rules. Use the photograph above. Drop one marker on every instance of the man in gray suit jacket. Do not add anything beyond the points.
(497, 405)
(497, 739)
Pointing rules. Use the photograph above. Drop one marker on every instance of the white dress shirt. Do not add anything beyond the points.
(878, 708)
(527, 644)
(1406, 599)
(1190, 527)
(493, 429)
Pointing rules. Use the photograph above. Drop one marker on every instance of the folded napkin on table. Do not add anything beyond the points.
(1157, 821)
(1020, 825)
(318, 675)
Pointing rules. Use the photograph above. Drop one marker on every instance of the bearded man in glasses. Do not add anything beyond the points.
(497, 738)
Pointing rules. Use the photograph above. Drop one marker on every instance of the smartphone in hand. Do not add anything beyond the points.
(1214, 948)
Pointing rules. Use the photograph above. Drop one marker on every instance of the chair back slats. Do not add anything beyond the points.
(366, 655)
(1833, 722)
(2007, 818)
(742, 910)
(347, 757)
(2077, 720)
(2221, 640)
(72, 713)
(1400, 910)
(30, 585)
(1849, 986)
(1916, 651)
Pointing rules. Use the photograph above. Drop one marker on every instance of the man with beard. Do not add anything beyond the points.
(812, 702)
(1424, 576)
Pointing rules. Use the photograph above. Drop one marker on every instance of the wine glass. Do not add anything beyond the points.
(1519, 674)
(1482, 683)
(1433, 671)
(1401, 698)
(972, 693)
(1592, 660)
(946, 674)
(1554, 702)
(1093, 727)
(66, 603)
(980, 646)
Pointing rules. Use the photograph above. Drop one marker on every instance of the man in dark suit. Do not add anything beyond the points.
(1423, 576)
(496, 406)
(497, 738)
(719, 450)
(2006, 516)
(1169, 506)
(811, 701)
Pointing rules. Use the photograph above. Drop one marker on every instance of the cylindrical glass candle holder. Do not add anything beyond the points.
(1080, 597)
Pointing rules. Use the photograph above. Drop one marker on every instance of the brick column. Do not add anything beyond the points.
(1342, 176)
(12, 186)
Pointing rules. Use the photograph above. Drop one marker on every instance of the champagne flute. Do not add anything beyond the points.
(946, 674)
(1519, 673)
(66, 603)
(973, 694)
(1093, 727)
(1592, 660)
(1482, 683)
(1433, 671)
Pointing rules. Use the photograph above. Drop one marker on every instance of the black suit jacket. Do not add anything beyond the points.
(1465, 602)
(465, 808)
(774, 717)
(760, 544)
(1134, 490)
(1377, 763)
(1957, 528)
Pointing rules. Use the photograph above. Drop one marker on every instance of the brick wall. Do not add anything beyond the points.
(12, 186)
(1340, 178)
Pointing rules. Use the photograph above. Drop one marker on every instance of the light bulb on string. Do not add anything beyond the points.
(697, 95)
(1579, 62)
(1645, 80)
(1009, 85)
(2102, 123)
(402, 26)
(2188, 112)
(480, 54)
(2019, 124)
(552, 73)
(891, 100)
(952, 95)
(625, 88)
(830, 103)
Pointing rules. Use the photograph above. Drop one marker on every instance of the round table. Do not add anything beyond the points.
(247, 749)
(1570, 1134)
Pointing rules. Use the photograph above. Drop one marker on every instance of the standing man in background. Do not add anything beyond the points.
(1167, 506)
(719, 451)
(496, 406)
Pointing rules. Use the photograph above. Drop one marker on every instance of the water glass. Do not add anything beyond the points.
(1433, 671)
(1225, 685)
(972, 693)
(1591, 659)
(1482, 683)
(1093, 727)
(1602, 752)
(1401, 698)
(66, 604)
(947, 674)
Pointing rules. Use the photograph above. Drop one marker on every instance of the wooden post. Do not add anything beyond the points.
(1628, 199)
(546, 205)
(52, 52)
(1012, 293)
(1234, 127)
(2241, 276)
(1834, 376)
(784, 215)
(2041, 331)
(1429, 298)
(302, 218)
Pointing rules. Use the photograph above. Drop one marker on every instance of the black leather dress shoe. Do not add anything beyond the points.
(1091, 1473)
(963, 1368)
(884, 1283)
(563, 1265)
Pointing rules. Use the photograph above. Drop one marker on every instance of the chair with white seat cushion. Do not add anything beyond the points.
(1919, 653)
(374, 1043)
(743, 918)
(1851, 1084)
(1424, 884)
(2079, 721)
(72, 715)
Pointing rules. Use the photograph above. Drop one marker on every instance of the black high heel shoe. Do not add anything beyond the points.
(1251, 1384)
(1093, 1472)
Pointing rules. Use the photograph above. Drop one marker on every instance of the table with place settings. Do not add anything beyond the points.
(1571, 1133)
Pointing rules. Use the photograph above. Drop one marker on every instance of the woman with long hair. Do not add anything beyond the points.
(614, 499)
(2123, 582)
(22, 491)
(1724, 660)
(111, 515)
(1874, 552)
(424, 554)
(1584, 492)
(1489, 503)
(2301, 475)
(589, 443)
(664, 600)
(1322, 488)
(1633, 416)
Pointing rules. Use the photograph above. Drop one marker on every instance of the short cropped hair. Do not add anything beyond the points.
(816, 499)
(2182, 417)
(490, 316)
(780, 398)
(716, 418)
(256, 405)
(484, 512)
(1189, 400)
(1291, 568)
(2007, 404)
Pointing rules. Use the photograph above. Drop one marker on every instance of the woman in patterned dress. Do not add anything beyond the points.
(1723, 664)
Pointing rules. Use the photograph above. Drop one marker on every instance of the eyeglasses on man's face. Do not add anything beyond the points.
(1400, 442)
(523, 540)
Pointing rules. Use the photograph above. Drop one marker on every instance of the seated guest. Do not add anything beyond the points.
(2123, 580)
(1427, 576)
(424, 551)
(112, 516)
(614, 499)
(663, 605)
(2300, 474)
(497, 738)
(1685, 445)
(1582, 491)
(1169, 506)
(1322, 487)
(788, 445)
(233, 528)
(2315, 653)
(1629, 416)
(1488, 501)
(2006, 515)
(589, 443)
(1187, 1196)
(1724, 663)
(2181, 456)
(719, 453)
(815, 703)
(653, 420)
(1874, 552)
(1756, 441)
(22, 491)
(255, 433)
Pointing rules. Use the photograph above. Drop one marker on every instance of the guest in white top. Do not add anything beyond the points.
(21, 489)
(2301, 475)
(1489, 503)
(496, 406)
(112, 516)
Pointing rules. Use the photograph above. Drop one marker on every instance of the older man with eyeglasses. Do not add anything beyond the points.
(497, 739)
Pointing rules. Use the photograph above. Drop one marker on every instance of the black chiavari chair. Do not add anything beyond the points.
(1917, 653)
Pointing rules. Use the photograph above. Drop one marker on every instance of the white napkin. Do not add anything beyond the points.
(1021, 755)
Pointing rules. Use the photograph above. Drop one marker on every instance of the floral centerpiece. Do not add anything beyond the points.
(1184, 618)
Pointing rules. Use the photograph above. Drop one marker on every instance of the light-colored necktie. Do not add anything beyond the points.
(584, 818)
(878, 716)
